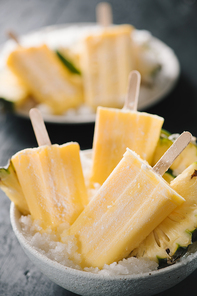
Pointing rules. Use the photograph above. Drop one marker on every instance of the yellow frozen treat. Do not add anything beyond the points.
(115, 130)
(48, 80)
(127, 207)
(52, 181)
(106, 62)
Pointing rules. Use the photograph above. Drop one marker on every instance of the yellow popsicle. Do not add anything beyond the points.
(117, 129)
(127, 207)
(52, 181)
(106, 62)
(47, 79)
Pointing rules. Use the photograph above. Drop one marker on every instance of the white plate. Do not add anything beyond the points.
(68, 34)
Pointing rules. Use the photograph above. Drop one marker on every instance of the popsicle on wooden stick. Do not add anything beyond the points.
(117, 129)
(106, 61)
(51, 178)
(128, 206)
(46, 78)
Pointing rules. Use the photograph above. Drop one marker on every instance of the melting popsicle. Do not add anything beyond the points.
(51, 178)
(128, 206)
(116, 129)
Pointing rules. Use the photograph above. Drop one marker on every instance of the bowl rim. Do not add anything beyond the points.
(14, 218)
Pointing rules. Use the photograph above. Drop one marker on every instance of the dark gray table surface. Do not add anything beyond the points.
(175, 23)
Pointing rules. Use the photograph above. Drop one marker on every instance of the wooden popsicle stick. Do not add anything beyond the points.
(104, 14)
(13, 36)
(131, 101)
(39, 127)
(172, 153)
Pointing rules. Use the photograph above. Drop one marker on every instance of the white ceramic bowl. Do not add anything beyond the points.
(86, 283)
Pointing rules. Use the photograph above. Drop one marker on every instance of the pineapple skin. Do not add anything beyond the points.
(170, 240)
(9, 183)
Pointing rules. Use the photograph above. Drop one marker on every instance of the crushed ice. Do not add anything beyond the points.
(48, 244)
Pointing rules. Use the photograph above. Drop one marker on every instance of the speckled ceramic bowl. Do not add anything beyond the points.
(86, 283)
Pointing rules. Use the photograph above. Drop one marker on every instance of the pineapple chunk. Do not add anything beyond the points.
(168, 177)
(47, 79)
(172, 237)
(10, 185)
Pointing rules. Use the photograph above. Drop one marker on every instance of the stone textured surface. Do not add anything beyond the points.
(174, 22)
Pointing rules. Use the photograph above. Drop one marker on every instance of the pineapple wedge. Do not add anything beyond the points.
(170, 240)
(47, 79)
(9, 183)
